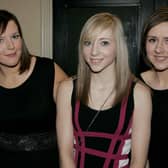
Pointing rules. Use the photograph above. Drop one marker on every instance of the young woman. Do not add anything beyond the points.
(28, 87)
(106, 112)
(154, 51)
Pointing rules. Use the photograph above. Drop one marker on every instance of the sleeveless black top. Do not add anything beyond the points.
(159, 138)
(159, 125)
(107, 143)
(27, 120)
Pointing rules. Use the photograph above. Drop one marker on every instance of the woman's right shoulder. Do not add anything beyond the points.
(147, 75)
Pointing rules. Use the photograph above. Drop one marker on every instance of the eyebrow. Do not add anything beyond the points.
(151, 36)
(157, 36)
(105, 38)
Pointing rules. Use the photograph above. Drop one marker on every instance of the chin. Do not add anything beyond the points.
(11, 64)
(96, 70)
(161, 69)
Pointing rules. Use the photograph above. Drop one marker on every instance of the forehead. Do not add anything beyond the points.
(160, 29)
(11, 27)
(98, 34)
(105, 34)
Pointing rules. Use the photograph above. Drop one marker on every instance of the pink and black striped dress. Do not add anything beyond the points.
(107, 143)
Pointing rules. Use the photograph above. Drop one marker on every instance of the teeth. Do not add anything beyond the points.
(95, 60)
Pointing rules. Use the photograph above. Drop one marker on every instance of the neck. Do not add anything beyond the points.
(102, 90)
(104, 79)
(161, 79)
(6, 72)
(10, 76)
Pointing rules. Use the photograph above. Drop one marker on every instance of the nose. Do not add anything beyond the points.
(159, 47)
(9, 44)
(94, 49)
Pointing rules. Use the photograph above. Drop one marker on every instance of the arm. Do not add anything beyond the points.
(60, 75)
(64, 125)
(141, 126)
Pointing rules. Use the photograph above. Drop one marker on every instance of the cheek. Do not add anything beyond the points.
(112, 54)
(86, 58)
(86, 54)
(149, 49)
(3, 47)
(19, 45)
(112, 59)
(166, 48)
(1, 50)
(86, 50)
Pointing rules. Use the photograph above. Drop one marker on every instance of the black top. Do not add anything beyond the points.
(159, 139)
(93, 146)
(27, 120)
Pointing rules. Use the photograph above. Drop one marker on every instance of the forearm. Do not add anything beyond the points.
(134, 165)
(138, 164)
(67, 161)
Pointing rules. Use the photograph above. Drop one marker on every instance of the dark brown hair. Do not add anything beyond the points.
(5, 17)
(159, 16)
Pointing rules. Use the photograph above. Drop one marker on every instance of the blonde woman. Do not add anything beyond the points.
(103, 109)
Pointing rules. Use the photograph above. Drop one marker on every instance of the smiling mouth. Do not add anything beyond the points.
(161, 58)
(11, 55)
(96, 61)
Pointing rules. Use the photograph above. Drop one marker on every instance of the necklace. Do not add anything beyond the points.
(98, 112)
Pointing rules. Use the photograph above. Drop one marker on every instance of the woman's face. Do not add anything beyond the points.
(100, 53)
(157, 46)
(10, 46)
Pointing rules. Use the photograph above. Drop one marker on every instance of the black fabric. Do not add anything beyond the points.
(110, 114)
(27, 120)
(159, 138)
(106, 122)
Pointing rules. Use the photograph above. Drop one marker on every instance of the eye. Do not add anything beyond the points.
(151, 40)
(87, 43)
(166, 40)
(105, 43)
(1, 40)
(16, 36)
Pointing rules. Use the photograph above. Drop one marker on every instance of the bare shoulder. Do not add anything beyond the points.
(67, 83)
(59, 73)
(147, 76)
(64, 95)
(142, 96)
(141, 89)
(66, 86)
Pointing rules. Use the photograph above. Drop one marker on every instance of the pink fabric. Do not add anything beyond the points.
(80, 146)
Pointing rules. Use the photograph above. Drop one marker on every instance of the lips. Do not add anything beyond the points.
(161, 58)
(11, 55)
(96, 61)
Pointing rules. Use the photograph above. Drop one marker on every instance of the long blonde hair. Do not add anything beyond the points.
(94, 25)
